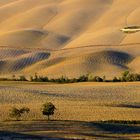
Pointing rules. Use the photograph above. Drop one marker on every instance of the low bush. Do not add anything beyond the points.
(17, 113)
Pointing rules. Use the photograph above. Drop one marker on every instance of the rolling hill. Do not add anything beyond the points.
(68, 37)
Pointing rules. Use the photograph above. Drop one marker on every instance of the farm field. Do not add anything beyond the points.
(80, 108)
(79, 101)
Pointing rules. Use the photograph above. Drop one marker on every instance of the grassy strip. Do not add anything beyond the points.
(53, 121)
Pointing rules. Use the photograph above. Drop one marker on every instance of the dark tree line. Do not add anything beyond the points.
(125, 77)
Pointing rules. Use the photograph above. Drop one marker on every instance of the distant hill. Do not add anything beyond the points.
(68, 37)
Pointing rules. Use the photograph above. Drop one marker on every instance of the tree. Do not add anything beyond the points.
(17, 113)
(104, 78)
(36, 77)
(90, 77)
(31, 78)
(125, 76)
(13, 77)
(82, 78)
(22, 78)
(97, 79)
(129, 77)
(48, 109)
(115, 79)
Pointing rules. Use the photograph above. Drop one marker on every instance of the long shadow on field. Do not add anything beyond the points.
(60, 129)
(6, 135)
(129, 106)
(118, 128)
(134, 105)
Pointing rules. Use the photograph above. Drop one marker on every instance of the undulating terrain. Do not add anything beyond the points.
(68, 37)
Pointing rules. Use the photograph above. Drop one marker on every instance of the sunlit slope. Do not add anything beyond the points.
(99, 63)
(106, 30)
(21, 38)
(135, 64)
(70, 23)
(39, 26)
(63, 20)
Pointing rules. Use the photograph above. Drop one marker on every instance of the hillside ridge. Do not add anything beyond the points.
(69, 32)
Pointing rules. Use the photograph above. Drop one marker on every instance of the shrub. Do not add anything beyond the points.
(124, 77)
(115, 79)
(90, 77)
(82, 78)
(37, 78)
(104, 78)
(73, 80)
(97, 79)
(13, 78)
(22, 78)
(31, 78)
(17, 113)
(43, 79)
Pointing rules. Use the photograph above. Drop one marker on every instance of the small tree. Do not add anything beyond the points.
(17, 113)
(98, 79)
(31, 78)
(13, 78)
(48, 109)
(90, 77)
(35, 77)
(125, 76)
(22, 78)
(115, 79)
(104, 78)
(82, 78)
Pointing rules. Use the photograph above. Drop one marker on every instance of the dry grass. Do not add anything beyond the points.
(81, 101)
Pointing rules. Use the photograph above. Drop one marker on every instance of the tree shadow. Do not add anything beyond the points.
(137, 106)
